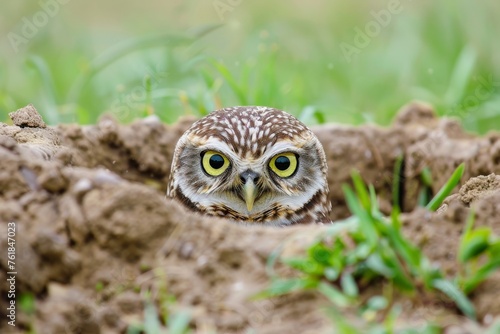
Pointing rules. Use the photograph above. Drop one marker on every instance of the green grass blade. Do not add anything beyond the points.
(423, 197)
(148, 103)
(377, 264)
(447, 188)
(341, 324)
(494, 248)
(396, 182)
(474, 244)
(348, 284)
(178, 323)
(334, 295)
(374, 203)
(470, 223)
(331, 255)
(462, 302)
(365, 221)
(461, 75)
(151, 321)
(426, 177)
(408, 252)
(309, 114)
(231, 81)
(359, 185)
(320, 116)
(377, 303)
(135, 329)
(282, 286)
(428, 329)
(306, 265)
(480, 275)
(272, 259)
(425, 193)
(27, 303)
(386, 264)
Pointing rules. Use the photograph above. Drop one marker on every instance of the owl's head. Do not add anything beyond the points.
(254, 165)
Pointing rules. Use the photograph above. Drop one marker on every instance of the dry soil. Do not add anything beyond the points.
(94, 230)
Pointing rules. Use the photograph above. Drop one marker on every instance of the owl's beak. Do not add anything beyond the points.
(249, 178)
(249, 194)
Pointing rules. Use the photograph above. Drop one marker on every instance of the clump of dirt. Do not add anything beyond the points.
(479, 187)
(438, 234)
(27, 117)
(94, 229)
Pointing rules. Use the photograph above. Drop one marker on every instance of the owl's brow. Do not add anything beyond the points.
(250, 132)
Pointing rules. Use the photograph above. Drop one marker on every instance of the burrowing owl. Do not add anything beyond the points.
(253, 165)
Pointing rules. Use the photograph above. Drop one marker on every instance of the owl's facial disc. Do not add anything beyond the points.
(251, 165)
(253, 185)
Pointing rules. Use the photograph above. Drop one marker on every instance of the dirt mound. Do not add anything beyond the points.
(94, 229)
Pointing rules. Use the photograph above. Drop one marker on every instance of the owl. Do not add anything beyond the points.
(252, 165)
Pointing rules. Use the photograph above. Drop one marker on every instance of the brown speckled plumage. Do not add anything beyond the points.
(250, 137)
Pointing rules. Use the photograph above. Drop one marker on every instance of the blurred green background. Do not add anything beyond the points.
(336, 61)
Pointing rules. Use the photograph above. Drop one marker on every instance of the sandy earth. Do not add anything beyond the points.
(94, 229)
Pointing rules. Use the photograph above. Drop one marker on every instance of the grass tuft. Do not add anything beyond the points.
(369, 248)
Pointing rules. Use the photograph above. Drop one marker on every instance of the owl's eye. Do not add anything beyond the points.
(284, 164)
(214, 163)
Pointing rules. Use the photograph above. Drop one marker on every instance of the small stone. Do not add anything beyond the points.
(82, 186)
(104, 176)
(27, 117)
(186, 250)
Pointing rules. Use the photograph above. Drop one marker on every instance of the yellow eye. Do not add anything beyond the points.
(214, 163)
(284, 164)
